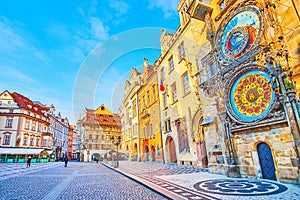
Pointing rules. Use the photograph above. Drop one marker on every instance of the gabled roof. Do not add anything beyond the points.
(28, 104)
(102, 109)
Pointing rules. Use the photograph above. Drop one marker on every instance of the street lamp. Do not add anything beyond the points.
(117, 145)
(88, 155)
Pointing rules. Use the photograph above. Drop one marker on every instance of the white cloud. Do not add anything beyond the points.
(119, 6)
(98, 30)
(168, 7)
(16, 42)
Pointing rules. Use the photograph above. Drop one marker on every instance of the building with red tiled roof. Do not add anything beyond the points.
(96, 129)
(30, 124)
(22, 122)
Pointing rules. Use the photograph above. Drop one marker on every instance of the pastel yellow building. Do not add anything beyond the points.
(130, 128)
(181, 111)
(149, 116)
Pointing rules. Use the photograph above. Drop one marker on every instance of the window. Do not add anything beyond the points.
(181, 51)
(171, 63)
(31, 141)
(33, 126)
(37, 142)
(174, 92)
(144, 102)
(27, 124)
(134, 108)
(162, 73)
(9, 123)
(148, 97)
(165, 100)
(149, 129)
(39, 128)
(6, 140)
(186, 84)
(25, 141)
(168, 125)
(44, 142)
(154, 93)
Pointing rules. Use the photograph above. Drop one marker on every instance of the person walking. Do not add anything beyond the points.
(66, 159)
(28, 161)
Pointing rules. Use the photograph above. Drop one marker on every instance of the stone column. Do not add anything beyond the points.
(231, 159)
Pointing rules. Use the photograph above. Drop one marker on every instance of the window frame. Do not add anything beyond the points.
(9, 123)
(186, 84)
(181, 51)
(171, 64)
(174, 92)
(6, 139)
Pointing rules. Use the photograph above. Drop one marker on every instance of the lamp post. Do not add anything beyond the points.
(117, 145)
(88, 155)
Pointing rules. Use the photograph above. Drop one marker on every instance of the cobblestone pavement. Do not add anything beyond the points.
(183, 182)
(49, 181)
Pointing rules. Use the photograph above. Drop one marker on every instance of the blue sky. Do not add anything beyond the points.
(76, 54)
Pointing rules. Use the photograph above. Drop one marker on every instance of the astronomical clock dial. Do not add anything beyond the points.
(239, 33)
(251, 96)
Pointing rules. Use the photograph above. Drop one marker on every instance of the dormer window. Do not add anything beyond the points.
(29, 106)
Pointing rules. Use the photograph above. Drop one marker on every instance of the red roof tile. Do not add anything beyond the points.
(28, 104)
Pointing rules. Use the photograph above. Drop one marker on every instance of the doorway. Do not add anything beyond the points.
(266, 161)
(171, 150)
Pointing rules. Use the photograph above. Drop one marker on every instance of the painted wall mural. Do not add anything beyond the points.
(183, 140)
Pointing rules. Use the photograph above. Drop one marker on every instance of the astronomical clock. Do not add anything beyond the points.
(249, 96)
(239, 33)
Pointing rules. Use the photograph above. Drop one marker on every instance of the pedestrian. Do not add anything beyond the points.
(28, 161)
(66, 159)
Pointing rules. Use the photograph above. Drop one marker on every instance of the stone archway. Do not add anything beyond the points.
(170, 150)
(199, 139)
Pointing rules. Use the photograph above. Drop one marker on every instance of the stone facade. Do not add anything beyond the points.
(255, 131)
